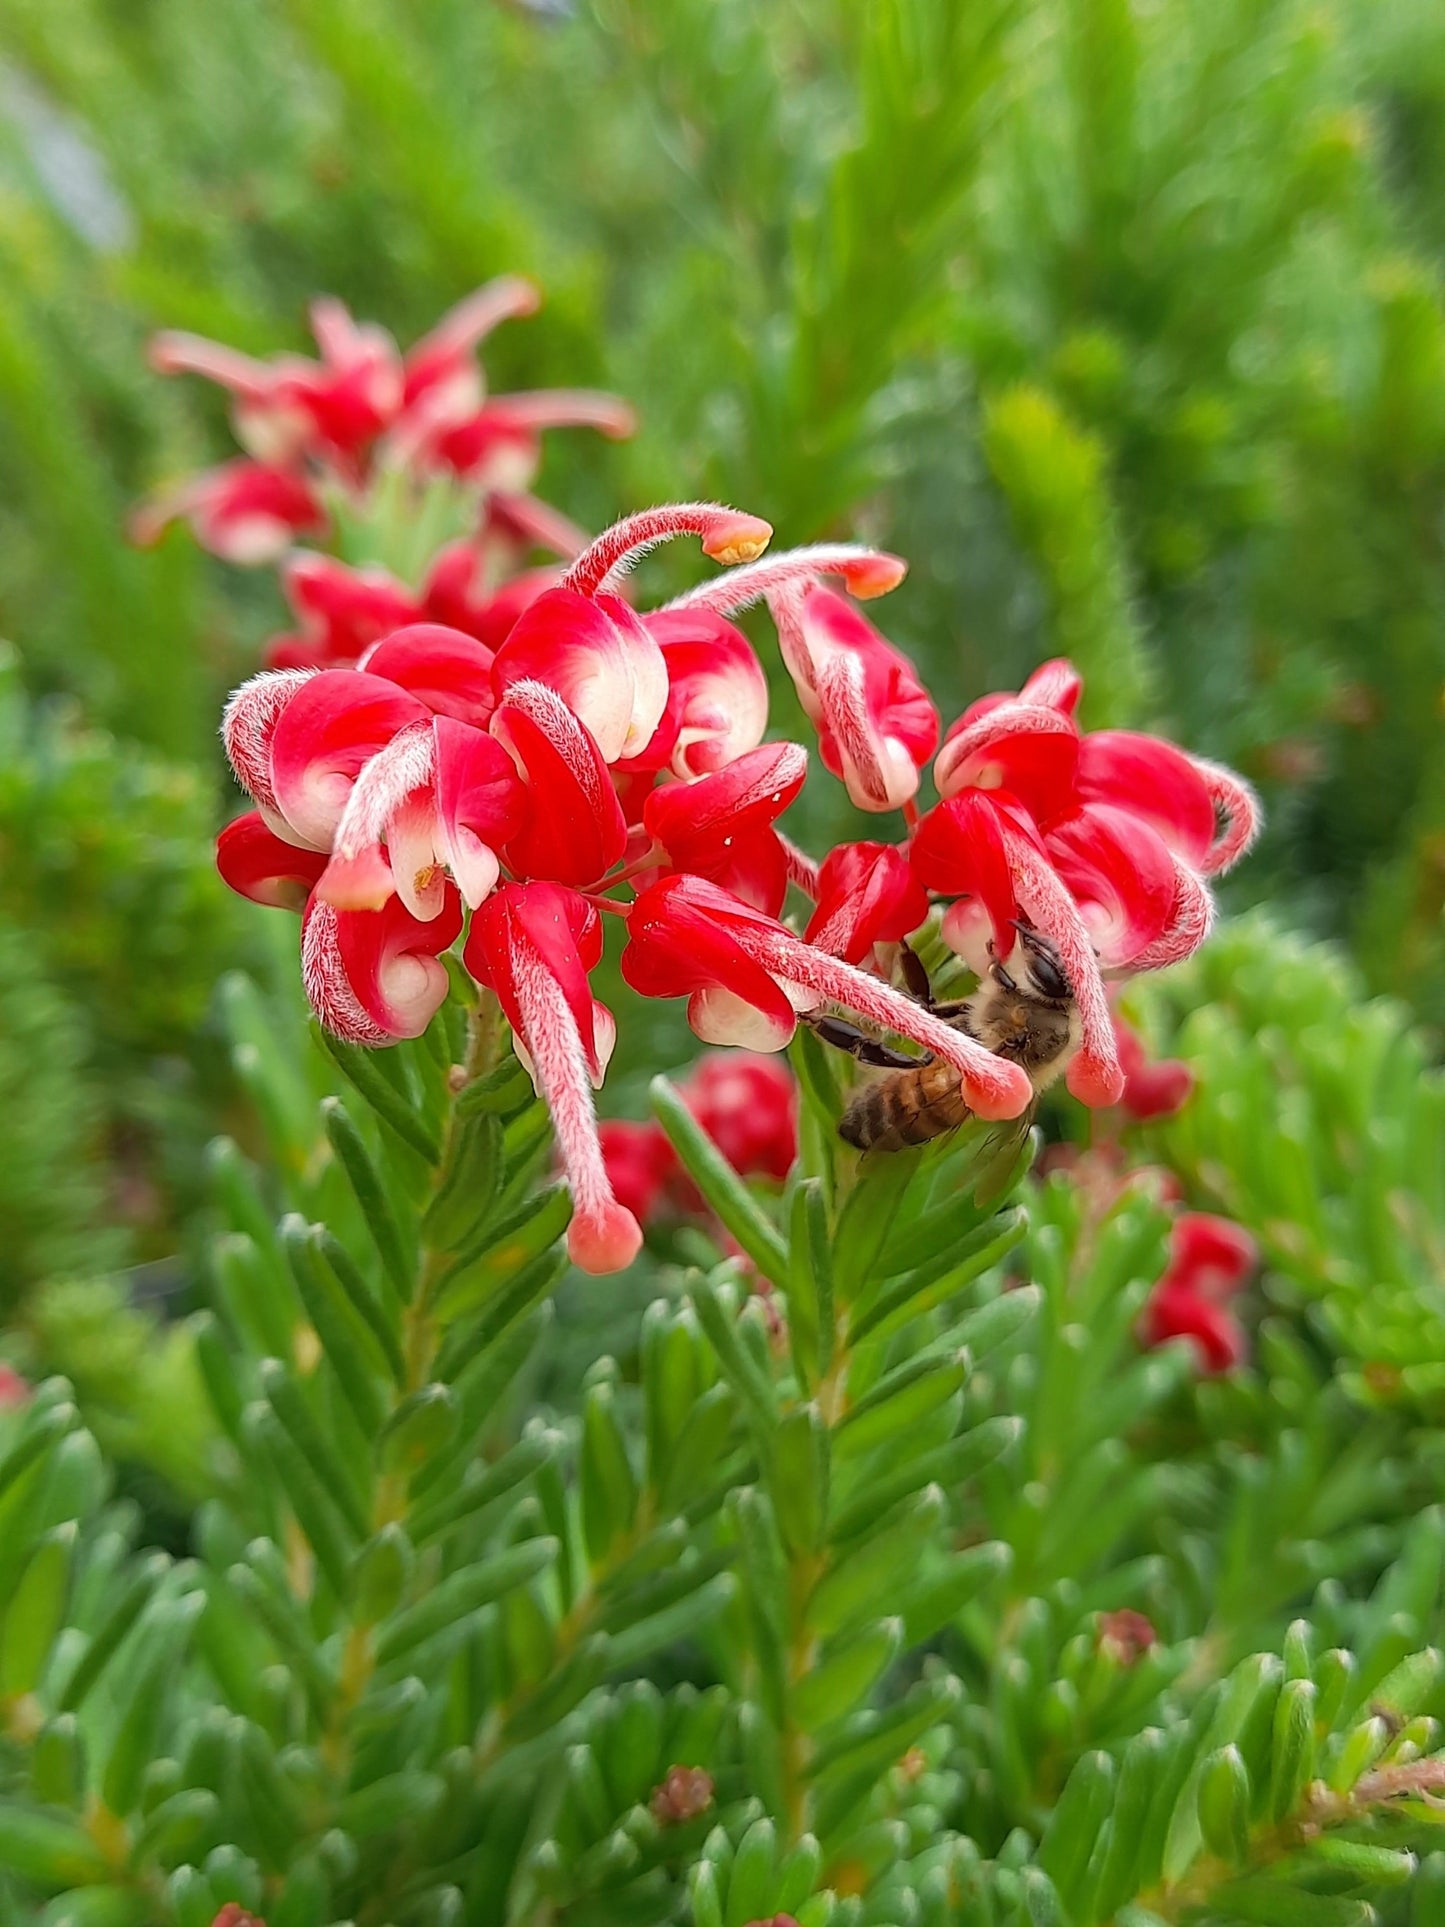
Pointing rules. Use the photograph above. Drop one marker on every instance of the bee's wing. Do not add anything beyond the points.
(1004, 1156)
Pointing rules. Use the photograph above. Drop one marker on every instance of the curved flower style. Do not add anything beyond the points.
(573, 756)
(365, 408)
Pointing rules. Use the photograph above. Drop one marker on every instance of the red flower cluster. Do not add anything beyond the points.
(315, 429)
(597, 760)
(747, 1104)
(1210, 1260)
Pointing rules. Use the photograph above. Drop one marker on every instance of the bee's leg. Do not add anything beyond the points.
(915, 977)
(868, 1050)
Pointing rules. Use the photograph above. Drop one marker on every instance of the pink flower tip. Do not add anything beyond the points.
(607, 1239)
(14, 1390)
(733, 537)
(874, 574)
(1095, 1081)
(1007, 1094)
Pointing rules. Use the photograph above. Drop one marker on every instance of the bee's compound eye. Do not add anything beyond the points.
(1049, 979)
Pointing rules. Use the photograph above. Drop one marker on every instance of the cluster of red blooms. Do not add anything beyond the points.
(599, 750)
(747, 1104)
(522, 767)
(322, 433)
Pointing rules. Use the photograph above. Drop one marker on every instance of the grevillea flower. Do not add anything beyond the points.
(14, 1390)
(867, 894)
(585, 757)
(1154, 1087)
(241, 511)
(1210, 1260)
(876, 723)
(363, 409)
(746, 977)
(1102, 841)
(533, 945)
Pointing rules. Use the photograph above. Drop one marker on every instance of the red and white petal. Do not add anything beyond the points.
(373, 975)
(867, 894)
(245, 512)
(1094, 1076)
(703, 818)
(441, 365)
(256, 863)
(345, 609)
(720, 1016)
(1241, 817)
(598, 657)
(960, 850)
(1191, 918)
(248, 724)
(717, 691)
(1153, 781)
(326, 734)
(359, 876)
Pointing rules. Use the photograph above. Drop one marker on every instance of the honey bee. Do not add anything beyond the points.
(1027, 1015)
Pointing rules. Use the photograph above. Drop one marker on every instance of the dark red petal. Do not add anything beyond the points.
(575, 832)
(257, 864)
(867, 894)
(959, 849)
(448, 671)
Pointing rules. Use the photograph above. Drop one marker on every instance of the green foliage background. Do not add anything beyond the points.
(1126, 325)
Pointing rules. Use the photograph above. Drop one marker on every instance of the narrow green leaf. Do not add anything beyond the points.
(799, 1480)
(370, 1191)
(380, 1093)
(737, 1364)
(129, 1603)
(315, 1508)
(36, 1611)
(929, 1603)
(898, 1401)
(469, 1186)
(342, 1267)
(723, 1189)
(1224, 1802)
(1292, 1760)
(52, 1854)
(313, 1442)
(336, 1326)
(835, 1686)
(492, 1483)
(456, 1600)
(1072, 1832)
(608, 1484)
